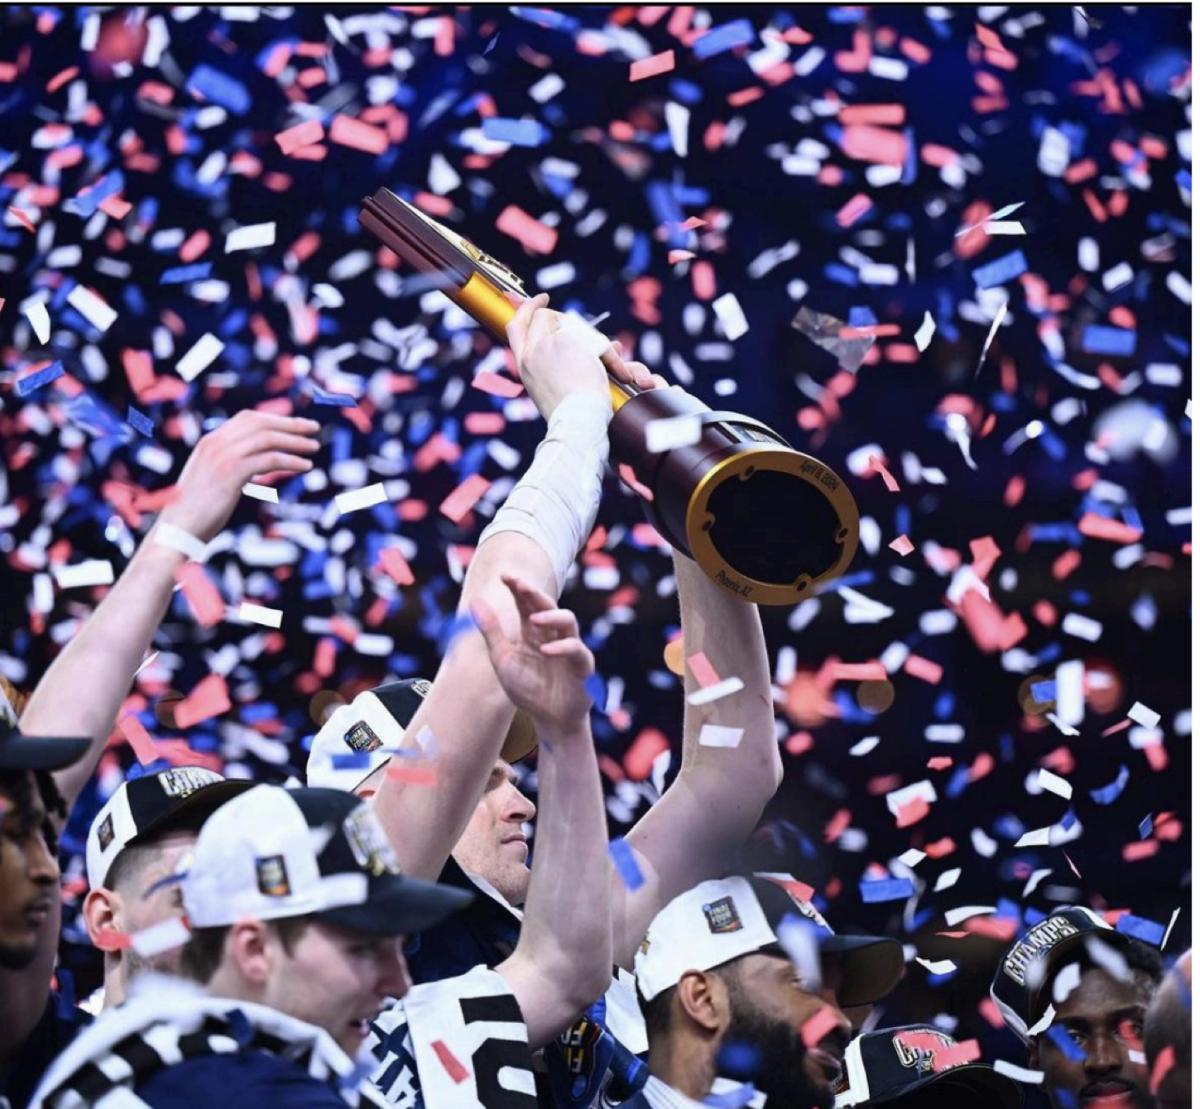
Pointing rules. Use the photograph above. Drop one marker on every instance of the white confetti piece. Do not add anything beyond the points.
(1035, 880)
(677, 126)
(865, 746)
(1004, 227)
(1116, 277)
(251, 236)
(1052, 783)
(714, 735)
(39, 320)
(924, 335)
(1068, 691)
(147, 661)
(200, 357)
(261, 492)
(1039, 837)
(797, 938)
(93, 572)
(96, 311)
(1019, 1074)
(912, 856)
(360, 498)
(983, 843)
(947, 879)
(945, 733)
(1044, 1022)
(898, 798)
(1066, 981)
(731, 316)
(1082, 627)
(1140, 714)
(1167, 934)
(259, 614)
(547, 88)
(164, 936)
(941, 966)
(671, 432)
(987, 343)
(1180, 286)
(710, 693)
(965, 912)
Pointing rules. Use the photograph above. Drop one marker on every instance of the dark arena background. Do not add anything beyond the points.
(945, 249)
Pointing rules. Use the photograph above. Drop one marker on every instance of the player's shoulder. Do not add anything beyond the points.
(246, 1080)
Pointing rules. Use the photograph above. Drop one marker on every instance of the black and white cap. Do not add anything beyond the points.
(274, 853)
(724, 919)
(1028, 965)
(918, 1065)
(175, 800)
(360, 737)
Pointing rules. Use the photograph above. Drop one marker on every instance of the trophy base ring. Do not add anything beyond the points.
(714, 533)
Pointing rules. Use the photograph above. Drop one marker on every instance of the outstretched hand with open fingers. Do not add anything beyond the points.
(542, 670)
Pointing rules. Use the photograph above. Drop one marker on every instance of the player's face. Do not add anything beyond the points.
(494, 845)
(1104, 1017)
(771, 1008)
(337, 979)
(29, 877)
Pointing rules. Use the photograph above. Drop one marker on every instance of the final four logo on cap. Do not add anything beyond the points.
(105, 832)
(272, 876)
(722, 916)
(362, 738)
(369, 843)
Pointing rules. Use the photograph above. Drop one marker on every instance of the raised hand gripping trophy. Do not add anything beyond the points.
(761, 519)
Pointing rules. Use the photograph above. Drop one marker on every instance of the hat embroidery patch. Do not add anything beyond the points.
(362, 738)
(272, 876)
(105, 833)
(1041, 938)
(722, 916)
(369, 842)
(185, 780)
(422, 686)
(917, 1049)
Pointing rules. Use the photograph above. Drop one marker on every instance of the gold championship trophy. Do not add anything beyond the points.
(762, 520)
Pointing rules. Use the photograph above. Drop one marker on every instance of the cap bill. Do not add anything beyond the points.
(397, 905)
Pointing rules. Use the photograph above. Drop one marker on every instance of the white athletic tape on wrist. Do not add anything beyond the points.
(168, 535)
(555, 503)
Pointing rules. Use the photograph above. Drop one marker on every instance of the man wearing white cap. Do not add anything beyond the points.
(742, 978)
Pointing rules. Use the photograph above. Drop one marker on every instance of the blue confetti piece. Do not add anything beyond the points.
(1098, 339)
(1068, 821)
(885, 889)
(1106, 795)
(1184, 180)
(333, 400)
(352, 760)
(729, 36)
(32, 383)
(88, 204)
(738, 1059)
(1043, 691)
(139, 422)
(515, 132)
(1146, 827)
(1001, 270)
(180, 275)
(219, 88)
(543, 17)
(1062, 1040)
(627, 867)
(1139, 928)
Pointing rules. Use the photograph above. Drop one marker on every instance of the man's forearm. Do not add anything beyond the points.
(728, 632)
(84, 688)
(565, 950)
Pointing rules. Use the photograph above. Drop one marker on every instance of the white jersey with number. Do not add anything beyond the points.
(460, 1043)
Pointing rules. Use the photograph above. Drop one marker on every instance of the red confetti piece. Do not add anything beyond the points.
(361, 136)
(396, 567)
(1095, 526)
(989, 1011)
(400, 770)
(1139, 850)
(801, 891)
(626, 474)
(853, 210)
(210, 698)
(818, 1026)
(115, 206)
(303, 134)
(139, 740)
(798, 743)
(837, 825)
(497, 386)
(456, 506)
(201, 595)
(1163, 1065)
(859, 672)
(702, 670)
(875, 463)
(957, 1056)
(532, 234)
(674, 256)
(940, 762)
(923, 669)
(22, 218)
(652, 66)
(455, 1069)
(874, 144)
(639, 758)
(984, 554)
(912, 812)
(59, 79)
(692, 223)
(1074, 868)
(939, 849)
(902, 545)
